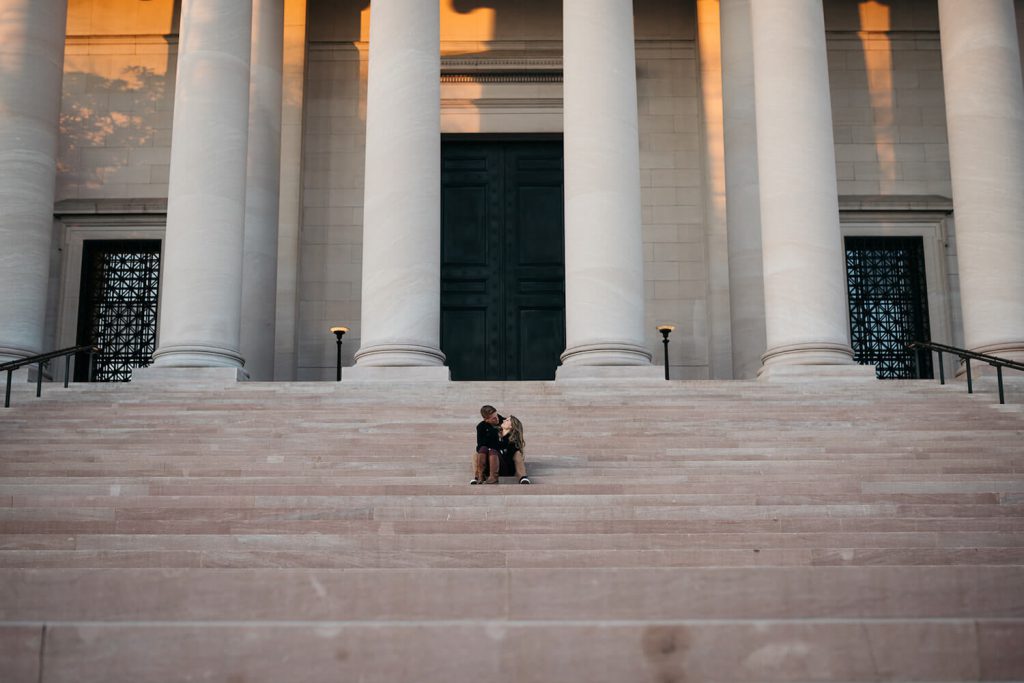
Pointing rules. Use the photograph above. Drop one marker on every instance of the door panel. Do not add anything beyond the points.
(466, 206)
(541, 338)
(502, 257)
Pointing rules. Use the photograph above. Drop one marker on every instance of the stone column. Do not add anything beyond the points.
(743, 202)
(604, 265)
(985, 124)
(401, 297)
(201, 301)
(262, 191)
(804, 273)
(290, 210)
(31, 67)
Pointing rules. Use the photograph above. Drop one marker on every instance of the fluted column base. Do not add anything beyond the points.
(192, 375)
(196, 355)
(610, 353)
(398, 363)
(1009, 350)
(9, 353)
(396, 373)
(811, 361)
(405, 355)
(611, 360)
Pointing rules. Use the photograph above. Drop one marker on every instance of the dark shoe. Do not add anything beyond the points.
(524, 480)
(492, 480)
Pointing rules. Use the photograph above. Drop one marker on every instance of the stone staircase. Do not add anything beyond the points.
(675, 531)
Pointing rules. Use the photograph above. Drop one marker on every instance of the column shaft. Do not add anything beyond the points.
(985, 119)
(202, 283)
(262, 192)
(743, 202)
(290, 209)
(804, 273)
(401, 297)
(31, 67)
(604, 281)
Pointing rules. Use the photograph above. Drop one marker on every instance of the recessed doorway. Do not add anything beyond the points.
(502, 259)
(888, 299)
(117, 308)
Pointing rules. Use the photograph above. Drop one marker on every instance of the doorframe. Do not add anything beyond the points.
(76, 229)
(503, 137)
(931, 227)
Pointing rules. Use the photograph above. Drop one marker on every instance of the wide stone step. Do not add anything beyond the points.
(384, 510)
(99, 520)
(342, 543)
(497, 558)
(523, 652)
(530, 594)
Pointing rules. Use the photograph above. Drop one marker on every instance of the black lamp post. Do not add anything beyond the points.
(665, 331)
(339, 332)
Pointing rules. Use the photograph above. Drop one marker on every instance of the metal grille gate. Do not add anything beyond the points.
(118, 306)
(888, 305)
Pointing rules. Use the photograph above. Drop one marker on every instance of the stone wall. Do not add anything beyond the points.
(118, 98)
(885, 71)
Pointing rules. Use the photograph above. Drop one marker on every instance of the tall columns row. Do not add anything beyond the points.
(222, 195)
(401, 298)
(221, 233)
(792, 199)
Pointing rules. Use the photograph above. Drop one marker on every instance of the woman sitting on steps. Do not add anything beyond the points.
(513, 443)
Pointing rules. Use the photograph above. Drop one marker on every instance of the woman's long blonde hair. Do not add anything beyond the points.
(515, 434)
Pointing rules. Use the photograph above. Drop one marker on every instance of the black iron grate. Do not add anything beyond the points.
(118, 306)
(888, 305)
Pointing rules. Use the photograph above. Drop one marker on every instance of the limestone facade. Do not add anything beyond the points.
(886, 89)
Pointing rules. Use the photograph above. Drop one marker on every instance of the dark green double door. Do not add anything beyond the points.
(502, 259)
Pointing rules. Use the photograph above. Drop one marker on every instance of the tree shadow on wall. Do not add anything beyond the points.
(105, 116)
(102, 120)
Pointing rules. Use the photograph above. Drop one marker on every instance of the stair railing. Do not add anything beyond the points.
(966, 356)
(44, 359)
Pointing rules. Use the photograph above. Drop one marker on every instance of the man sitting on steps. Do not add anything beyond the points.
(488, 447)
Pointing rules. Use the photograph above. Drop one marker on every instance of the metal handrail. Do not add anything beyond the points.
(966, 356)
(43, 359)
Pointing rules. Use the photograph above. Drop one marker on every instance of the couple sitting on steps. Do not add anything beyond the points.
(499, 448)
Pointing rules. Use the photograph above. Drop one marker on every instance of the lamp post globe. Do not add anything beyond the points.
(339, 332)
